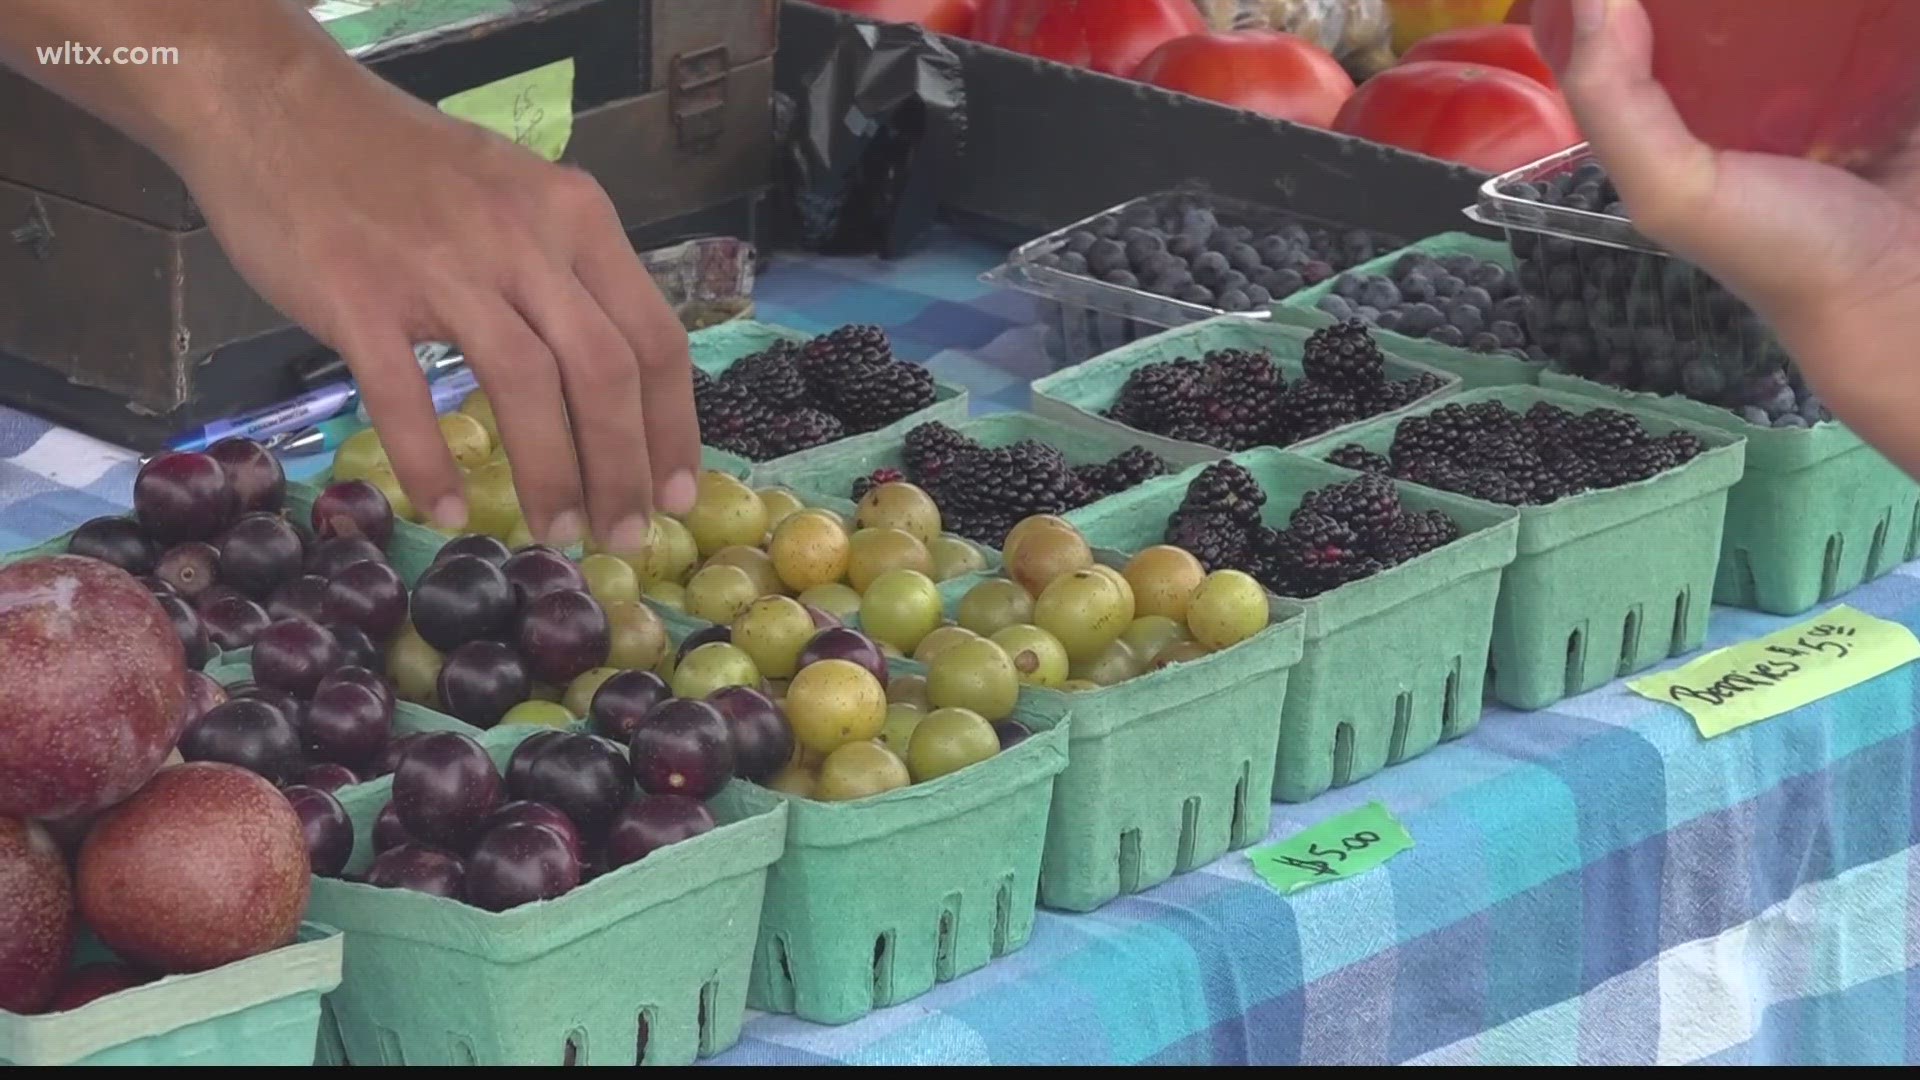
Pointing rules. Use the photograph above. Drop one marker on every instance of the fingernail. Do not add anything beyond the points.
(678, 495)
(566, 529)
(1590, 16)
(631, 536)
(450, 512)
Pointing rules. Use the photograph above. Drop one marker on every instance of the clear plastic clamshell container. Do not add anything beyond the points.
(1088, 315)
(1610, 305)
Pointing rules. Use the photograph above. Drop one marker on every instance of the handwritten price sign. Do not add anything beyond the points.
(1754, 680)
(1350, 844)
(534, 108)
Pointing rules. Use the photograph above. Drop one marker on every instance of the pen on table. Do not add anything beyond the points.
(448, 392)
(308, 408)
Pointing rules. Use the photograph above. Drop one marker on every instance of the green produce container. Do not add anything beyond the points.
(1165, 772)
(1606, 583)
(1390, 665)
(1476, 370)
(264, 1010)
(644, 965)
(877, 900)
(1077, 395)
(717, 347)
(831, 470)
(1816, 513)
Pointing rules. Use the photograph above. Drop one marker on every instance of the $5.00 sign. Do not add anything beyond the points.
(1350, 844)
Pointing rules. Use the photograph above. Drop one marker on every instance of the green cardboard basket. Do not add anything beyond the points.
(716, 348)
(1168, 771)
(264, 1010)
(1391, 665)
(646, 964)
(1608, 582)
(877, 900)
(1076, 396)
(829, 472)
(1817, 512)
(1476, 370)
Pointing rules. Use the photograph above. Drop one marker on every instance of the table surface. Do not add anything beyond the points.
(1591, 883)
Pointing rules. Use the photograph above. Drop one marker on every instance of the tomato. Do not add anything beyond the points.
(1509, 47)
(1262, 71)
(1488, 118)
(1110, 36)
(939, 16)
(1834, 82)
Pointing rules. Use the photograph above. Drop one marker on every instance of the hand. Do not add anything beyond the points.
(1831, 260)
(377, 222)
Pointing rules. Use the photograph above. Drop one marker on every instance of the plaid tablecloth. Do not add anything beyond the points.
(1592, 883)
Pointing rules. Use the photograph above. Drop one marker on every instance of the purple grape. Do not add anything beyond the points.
(527, 812)
(706, 635)
(652, 822)
(183, 496)
(347, 723)
(258, 553)
(193, 635)
(369, 595)
(304, 597)
(390, 757)
(563, 634)
(157, 587)
(682, 748)
(329, 557)
(479, 545)
(623, 700)
(387, 830)
(353, 508)
(328, 830)
(420, 867)
(258, 481)
(535, 571)
(1012, 733)
(203, 693)
(356, 648)
(445, 785)
(463, 599)
(249, 733)
(583, 777)
(191, 567)
(481, 680)
(361, 676)
(822, 618)
(762, 739)
(294, 655)
(519, 864)
(328, 776)
(116, 540)
(289, 706)
(520, 763)
(843, 643)
(232, 622)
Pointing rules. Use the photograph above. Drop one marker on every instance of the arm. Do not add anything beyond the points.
(377, 222)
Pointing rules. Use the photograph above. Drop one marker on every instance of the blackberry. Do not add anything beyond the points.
(1028, 477)
(772, 376)
(1398, 393)
(1550, 423)
(1217, 538)
(1159, 397)
(702, 382)
(1312, 408)
(800, 429)
(1602, 432)
(1635, 463)
(1415, 533)
(1685, 446)
(1491, 485)
(874, 396)
(1320, 553)
(1360, 459)
(931, 449)
(1343, 355)
(1226, 487)
(1247, 387)
(831, 356)
(732, 419)
(987, 526)
(1367, 504)
(864, 484)
(1127, 469)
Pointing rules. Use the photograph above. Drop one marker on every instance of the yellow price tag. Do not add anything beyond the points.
(533, 108)
(1754, 680)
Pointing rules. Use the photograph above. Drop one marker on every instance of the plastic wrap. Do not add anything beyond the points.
(871, 128)
(1357, 32)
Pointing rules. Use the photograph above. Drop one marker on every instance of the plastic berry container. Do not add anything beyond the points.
(1392, 664)
(1605, 583)
(1079, 395)
(1087, 315)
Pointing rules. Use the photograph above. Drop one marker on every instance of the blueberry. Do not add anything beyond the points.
(1651, 340)
(1284, 282)
(1753, 414)
(1233, 279)
(1235, 300)
(1417, 320)
(1576, 201)
(1459, 265)
(1295, 234)
(1466, 317)
(1521, 354)
(1159, 263)
(1411, 263)
(1563, 281)
(1240, 233)
(1588, 172)
(1184, 246)
(1492, 277)
(1508, 334)
(1244, 258)
(1169, 284)
(1366, 314)
(1122, 278)
(1416, 287)
(1477, 297)
(1272, 250)
(1376, 291)
(1389, 320)
(1221, 241)
(1196, 294)
(1347, 285)
(1447, 286)
(1616, 208)
(1537, 354)
(1791, 420)
(1197, 222)
(1510, 309)
(1588, 191)
(1811, 410)
(1049, 259)
(1316, 271)
(1258, 296)
(1357, 245)
(1079, 240)
(1107, 255)
(1336, 306)
(1522, 189)
(1106, 228)
(1660, 374)
(1140, 213)
(1782, 402)
(1073, 263)
(1446, 334)
(1143, 244)
(1565, 314)
(1483, 342)
(1702, 381)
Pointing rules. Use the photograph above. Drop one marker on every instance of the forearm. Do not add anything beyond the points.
(241, 63)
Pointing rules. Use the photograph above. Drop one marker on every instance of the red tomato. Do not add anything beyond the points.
(939, 16)
(1488, 118)
(1110, 36)
(1262, 71)
(1509, 47)
(1834, 82)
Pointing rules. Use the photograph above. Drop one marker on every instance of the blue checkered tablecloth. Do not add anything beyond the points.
(1591, 883)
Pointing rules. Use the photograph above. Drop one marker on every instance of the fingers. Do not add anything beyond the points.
(612, 274)
(395, 394)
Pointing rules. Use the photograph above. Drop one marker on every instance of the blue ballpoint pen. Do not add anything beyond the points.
(448, 392)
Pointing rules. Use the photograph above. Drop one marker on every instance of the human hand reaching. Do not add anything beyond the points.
(1830, 259)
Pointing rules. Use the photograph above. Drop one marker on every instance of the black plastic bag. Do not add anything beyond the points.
(871, 130)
